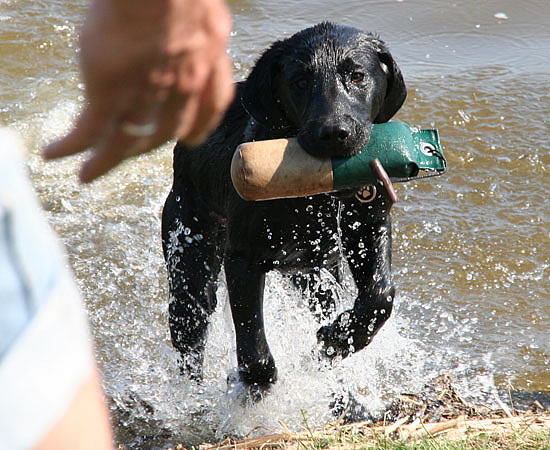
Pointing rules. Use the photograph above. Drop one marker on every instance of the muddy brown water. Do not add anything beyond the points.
(471, 249)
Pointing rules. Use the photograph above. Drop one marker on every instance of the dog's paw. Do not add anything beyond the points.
(190, 366)
(334, 342)
(346, 408)
(246, 394)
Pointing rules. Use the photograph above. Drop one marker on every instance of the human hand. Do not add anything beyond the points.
(153, 71)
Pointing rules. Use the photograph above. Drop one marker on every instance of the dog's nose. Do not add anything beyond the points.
(334, 133)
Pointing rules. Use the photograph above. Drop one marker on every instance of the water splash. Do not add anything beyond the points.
(151, 396)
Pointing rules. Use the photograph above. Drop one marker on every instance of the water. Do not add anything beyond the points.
(471, 249)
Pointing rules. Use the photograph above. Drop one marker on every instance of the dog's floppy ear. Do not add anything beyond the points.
(396, 92)
(259, 96)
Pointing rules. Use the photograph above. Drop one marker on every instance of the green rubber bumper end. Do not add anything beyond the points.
(405, 152)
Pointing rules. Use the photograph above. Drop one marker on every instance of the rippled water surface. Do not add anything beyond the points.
(471, 249)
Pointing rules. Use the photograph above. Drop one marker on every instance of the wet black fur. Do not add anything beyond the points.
(326, 85)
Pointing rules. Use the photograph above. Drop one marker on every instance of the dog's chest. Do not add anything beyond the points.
(301, 233)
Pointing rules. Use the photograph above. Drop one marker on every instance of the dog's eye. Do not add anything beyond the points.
(357, 77)
(301, 83)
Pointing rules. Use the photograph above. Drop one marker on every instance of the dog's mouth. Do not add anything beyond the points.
(344, 148)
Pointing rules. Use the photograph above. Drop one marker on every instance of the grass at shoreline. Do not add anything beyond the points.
(528, 431)
(438, 418)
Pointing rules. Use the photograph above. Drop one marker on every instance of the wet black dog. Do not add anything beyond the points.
(326, 85)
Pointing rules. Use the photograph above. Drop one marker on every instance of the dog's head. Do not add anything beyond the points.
(327, 84)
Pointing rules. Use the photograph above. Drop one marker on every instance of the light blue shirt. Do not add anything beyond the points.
(45, 345)
(29, 253)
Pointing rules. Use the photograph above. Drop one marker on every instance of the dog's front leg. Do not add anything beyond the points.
(191, 244)
(368, 251)
(245, 284)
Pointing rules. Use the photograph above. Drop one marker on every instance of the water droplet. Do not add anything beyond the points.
(464, 115)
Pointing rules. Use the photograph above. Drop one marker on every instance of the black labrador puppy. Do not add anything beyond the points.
(325, 85)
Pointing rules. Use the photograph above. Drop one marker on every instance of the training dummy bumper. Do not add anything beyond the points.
(280, 168)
